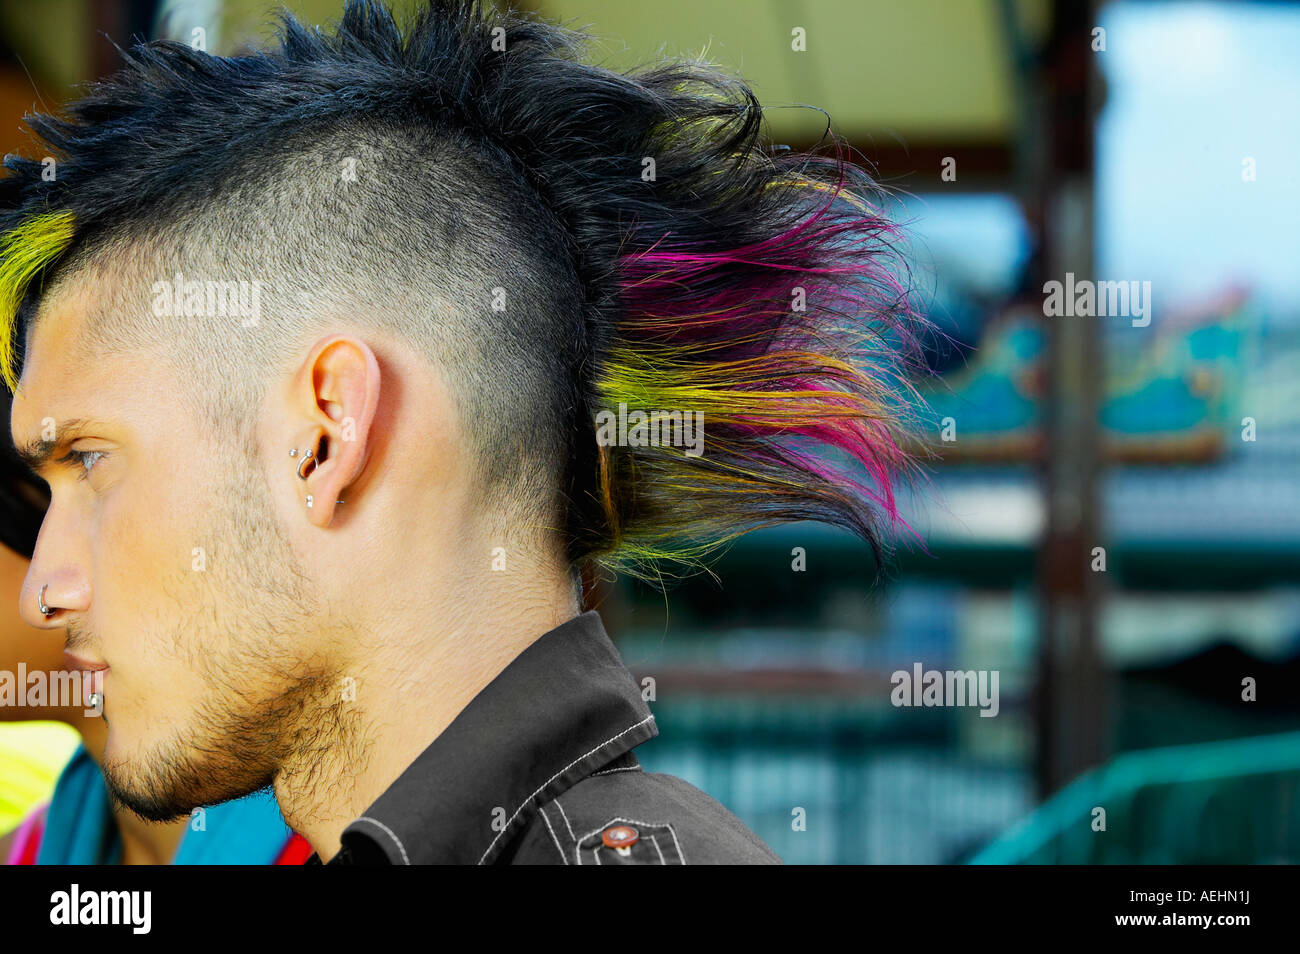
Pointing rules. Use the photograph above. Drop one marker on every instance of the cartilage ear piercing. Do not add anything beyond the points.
(306, 459)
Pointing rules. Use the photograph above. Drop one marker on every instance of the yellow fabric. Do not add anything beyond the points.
(32, 754)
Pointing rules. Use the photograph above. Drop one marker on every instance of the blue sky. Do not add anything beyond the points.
(1193, 88)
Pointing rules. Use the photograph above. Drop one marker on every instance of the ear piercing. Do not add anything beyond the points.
(302, 464)
(307, 457)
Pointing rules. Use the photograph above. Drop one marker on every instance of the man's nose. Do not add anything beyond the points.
(50, 593)
(56, 584)
(41, 603)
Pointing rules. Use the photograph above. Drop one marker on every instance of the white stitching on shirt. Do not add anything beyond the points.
(655, 841)
(625, 768)
(541, 811)
(680, 854)
(389, 832)
(564, 815)
(511, 819)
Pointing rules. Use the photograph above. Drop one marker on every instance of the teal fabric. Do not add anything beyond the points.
(79, 827)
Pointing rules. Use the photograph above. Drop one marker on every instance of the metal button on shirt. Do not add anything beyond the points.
(619, 836)
(539, 769)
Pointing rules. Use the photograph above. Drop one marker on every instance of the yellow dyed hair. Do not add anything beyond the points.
(24, 251)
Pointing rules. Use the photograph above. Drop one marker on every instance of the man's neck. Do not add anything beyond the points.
(396, 695)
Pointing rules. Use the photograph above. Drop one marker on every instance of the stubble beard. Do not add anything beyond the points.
(262, 702)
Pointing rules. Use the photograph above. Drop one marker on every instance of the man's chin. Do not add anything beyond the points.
(152, 803)
(162, 788)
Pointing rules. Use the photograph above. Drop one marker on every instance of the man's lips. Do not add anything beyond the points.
(73, 662)
(92, 678)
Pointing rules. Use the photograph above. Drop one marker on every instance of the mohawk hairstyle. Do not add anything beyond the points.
(762, 288)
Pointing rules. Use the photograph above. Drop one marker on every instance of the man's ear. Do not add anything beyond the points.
(337, 387)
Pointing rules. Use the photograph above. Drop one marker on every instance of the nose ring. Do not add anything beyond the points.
(46, 611)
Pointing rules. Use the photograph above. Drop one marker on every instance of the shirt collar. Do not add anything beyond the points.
(563, 708)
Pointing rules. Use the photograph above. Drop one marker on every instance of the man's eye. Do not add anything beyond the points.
(87, 459)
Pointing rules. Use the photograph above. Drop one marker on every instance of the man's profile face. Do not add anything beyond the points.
(166, 562)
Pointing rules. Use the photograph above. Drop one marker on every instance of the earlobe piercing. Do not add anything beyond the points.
(306, 457)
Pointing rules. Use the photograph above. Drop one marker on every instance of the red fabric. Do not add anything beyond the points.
(32, 844)
(296, 850)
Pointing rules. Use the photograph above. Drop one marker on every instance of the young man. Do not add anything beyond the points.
(344, 359)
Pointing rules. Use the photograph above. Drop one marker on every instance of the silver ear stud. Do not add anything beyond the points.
(311, 500)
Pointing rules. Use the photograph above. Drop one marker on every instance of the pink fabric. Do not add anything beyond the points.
(27, 838)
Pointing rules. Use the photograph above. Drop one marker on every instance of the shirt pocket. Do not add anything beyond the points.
(625, 841)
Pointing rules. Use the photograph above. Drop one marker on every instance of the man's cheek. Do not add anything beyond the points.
(154, 700)
(126, 550)
(143, 565)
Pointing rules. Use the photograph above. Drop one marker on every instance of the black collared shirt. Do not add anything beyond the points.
(539, 769)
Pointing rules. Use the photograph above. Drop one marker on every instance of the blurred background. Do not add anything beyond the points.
(1112, 522)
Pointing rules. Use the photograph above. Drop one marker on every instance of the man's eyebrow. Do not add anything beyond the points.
(36, 453)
